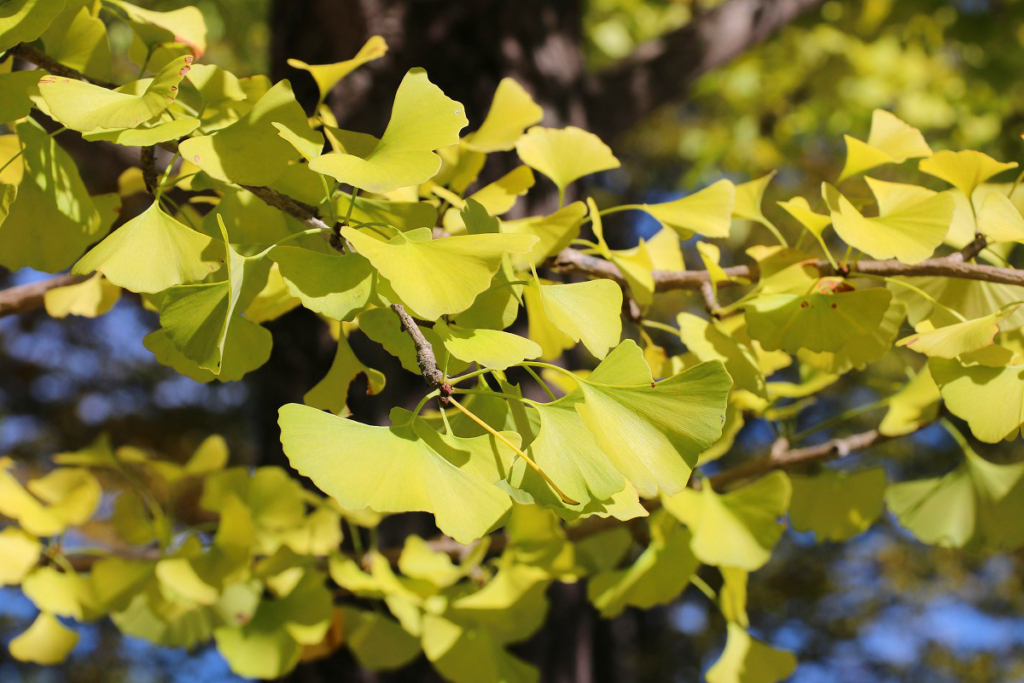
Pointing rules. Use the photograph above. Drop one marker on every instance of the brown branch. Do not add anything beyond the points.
(953, 266)
(663, 70)
(425, 357)
(147, 160)
(25, 298)
(48, 63)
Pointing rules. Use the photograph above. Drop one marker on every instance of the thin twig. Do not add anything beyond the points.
(48, 63)
(425, 357)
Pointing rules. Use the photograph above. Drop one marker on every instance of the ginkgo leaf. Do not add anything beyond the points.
(15, 90)
(85, 107)
(423, 120)
(47, 642)
(554, 232)
(22, 21)
(971, 507)
(968, 392)
(50, 193)
(333, 285)
(331, 392)
(383, 326)
(512, 112)
(957, 339)
(999, 220)
(837, 505)
(328, 75)
(401, 215)
(860, 351)
(827, 319)
(89, 299)
(378, 643)
(970, 298)
(890, 141)
(151, 253)
(205, 321)
(800, 209)
(185, 25)
(913, 406)
(145, 136)
(440, 276)
(496, 198)
(738, 528)
(635, 264)
(749, 201)
(415, 468)
(488, 348)
(748, 660)
(64, 497)
(587, 312)
(657, 577)
(250, 151)
(653, 431)
(467, 655)
(564, 155)
(19, 553)
(78, 39)
(912, 222)
(707, 212)
(709, 340)
(963, 170)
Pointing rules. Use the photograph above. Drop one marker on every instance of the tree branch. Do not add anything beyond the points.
(48, 63)
(24, 298)
(425, 357)
(662, 71)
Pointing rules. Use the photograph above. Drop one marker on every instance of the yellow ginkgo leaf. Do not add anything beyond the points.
(151, 253)
(22, 21)
(963, 170)
(89, 299)
(512, 112)
(587, 312)
(999, 219)
(19, 553)
(891, 141)
(423, 120)
(497, 197)
(707, 212)
(800, 209)
(912, 221)
(954, 340)
(84, 107)
(328, 75)
(185, 26)
(564, 155)
(488, 348)
(554, 232)
(47, 642)
(440, 276)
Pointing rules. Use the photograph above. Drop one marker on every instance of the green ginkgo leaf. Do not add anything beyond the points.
(19, 553)
(78, 39)
(415, 468)
(205, 321)
(913, 406)
(738, 528)
(423, 120)
(145, 136)
(968, 392)
(970, 298)
(512, 112)
(912, 221)
(333, 285)
(653, 432)
(511, 607)
(151, 253)
(800, 209)
(378, 643)
(957, 339)
(890, 141)
(85, 107)
(564, 155)
(331, 392)
(46, 641)
(22, 21)
(709, 340)
(587, 312)
(657, 577)
(50, 193)
(837, 505)
(185, 26)
(860, 351)
(383, 326)
(973, 507)
(328, 75)
(467, 655)
(748, 660)
(89, 299)
(401, 215)
(999, 219)
(15, 90)
(827, 319)
(707, 212)
(496, 198)
(554, 232)
(250, 151)
(488, 348)
(963, 170)
(440, 276)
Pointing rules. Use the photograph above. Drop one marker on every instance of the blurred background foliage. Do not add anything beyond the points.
(880, 608)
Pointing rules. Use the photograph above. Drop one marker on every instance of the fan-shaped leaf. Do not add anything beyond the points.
(891, 141)
(511, 112)
(564, 155)
(328, 75)
(707, 212)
